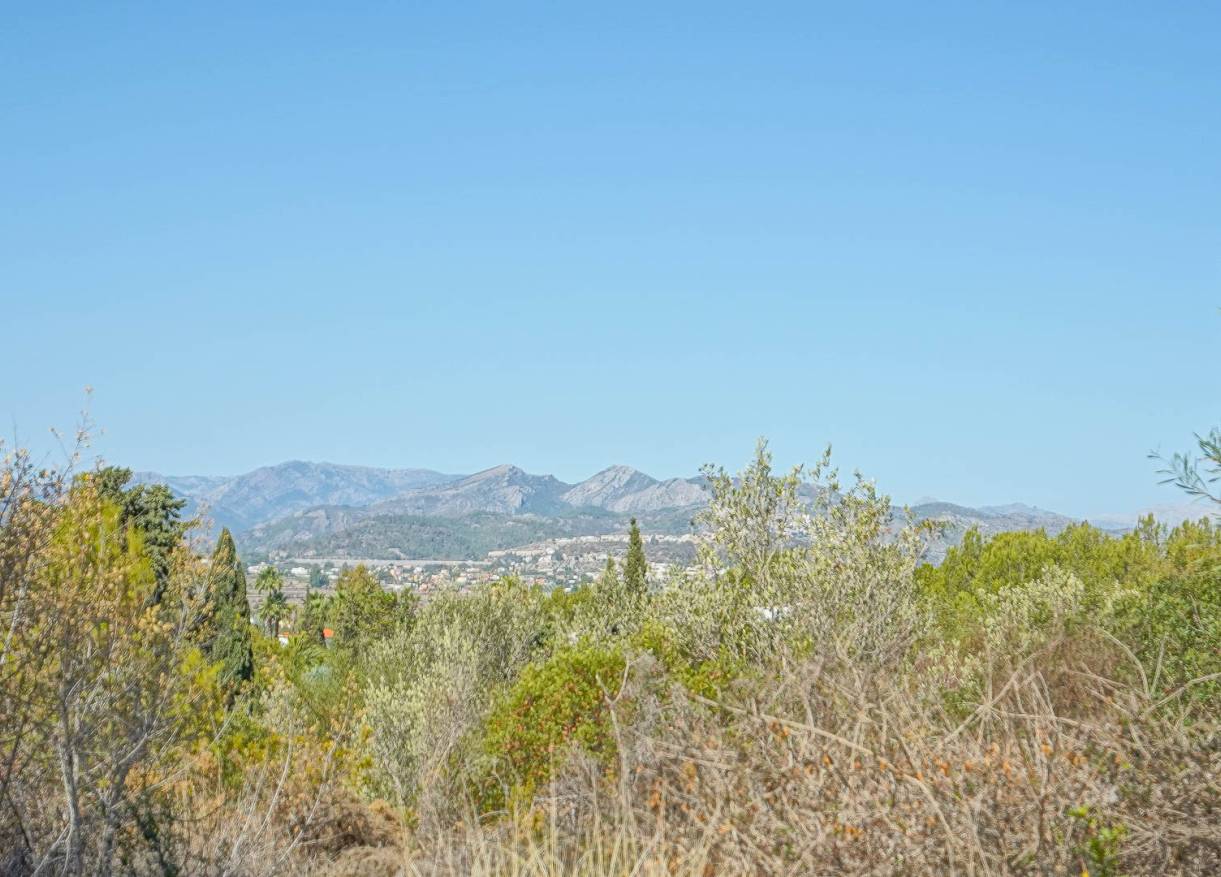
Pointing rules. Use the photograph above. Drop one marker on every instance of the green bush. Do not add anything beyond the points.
(1174, 624)
(959, 590)
(429, 687)
(707, 677)
(553, 707)
(1151, 595)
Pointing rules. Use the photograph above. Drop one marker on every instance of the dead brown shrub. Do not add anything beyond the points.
(840, 771)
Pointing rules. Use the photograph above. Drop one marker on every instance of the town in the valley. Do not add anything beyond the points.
(565, 562)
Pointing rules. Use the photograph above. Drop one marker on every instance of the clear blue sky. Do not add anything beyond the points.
(976, 246)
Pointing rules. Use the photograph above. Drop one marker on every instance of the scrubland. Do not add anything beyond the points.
(809, 698)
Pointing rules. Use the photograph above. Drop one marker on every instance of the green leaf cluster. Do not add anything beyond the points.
(554, 707)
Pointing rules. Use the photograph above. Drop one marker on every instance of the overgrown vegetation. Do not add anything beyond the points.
(809, 698)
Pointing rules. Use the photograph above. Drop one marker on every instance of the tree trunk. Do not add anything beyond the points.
(67, 767)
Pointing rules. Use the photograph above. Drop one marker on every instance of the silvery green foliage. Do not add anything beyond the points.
(797, 562)
(1024, 618)
(432, 684)
(1197, 476)
(609, 610)
(1019, 624)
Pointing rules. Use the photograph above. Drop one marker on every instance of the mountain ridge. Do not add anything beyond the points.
(302, 506)
(503, 489)
(269, 492)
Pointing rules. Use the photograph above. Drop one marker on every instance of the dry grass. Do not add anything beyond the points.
(843, 771)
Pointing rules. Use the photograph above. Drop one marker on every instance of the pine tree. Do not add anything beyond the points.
(230, 615)
(609, 600)
(149, 508)
(363, 611)
(635, 567)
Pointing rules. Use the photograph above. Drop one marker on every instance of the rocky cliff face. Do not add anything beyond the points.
(626, 490)
(499, 490)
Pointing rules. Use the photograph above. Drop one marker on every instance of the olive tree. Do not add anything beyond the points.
(796, 563)
(430, 685)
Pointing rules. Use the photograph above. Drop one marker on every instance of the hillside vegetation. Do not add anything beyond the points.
(808, 698)
(467, 537)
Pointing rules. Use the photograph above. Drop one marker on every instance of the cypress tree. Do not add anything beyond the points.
(230, 612)
(610, 578)
(635, 567)
(612, 605)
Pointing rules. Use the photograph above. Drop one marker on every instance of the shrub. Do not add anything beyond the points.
(779, 578)
(429, 688)
(959, 587)
(706, 676)
(554, 706)
(1173, 623)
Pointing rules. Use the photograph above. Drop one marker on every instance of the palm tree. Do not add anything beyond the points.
(275, 606)
(274, 610)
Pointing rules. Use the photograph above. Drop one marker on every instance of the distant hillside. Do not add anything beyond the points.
(955, 520)
(1171, 514)
(271, 492)
(346, 532)
(623, 489)
(508, 490)
(323, 509)
(500, 490)
(464, 538)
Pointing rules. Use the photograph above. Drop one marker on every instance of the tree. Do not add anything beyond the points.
(635, 567)
(275, 606)
(268, 581)
(229, 636)
(314, 617)
(430, 684)
(92, 686)
(273, 611)
(610, 577)
(364, 611)
(779, 574)
(614, 609)
(149, 508)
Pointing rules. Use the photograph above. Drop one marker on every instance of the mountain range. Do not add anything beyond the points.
(328, 509)
(270, 492)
